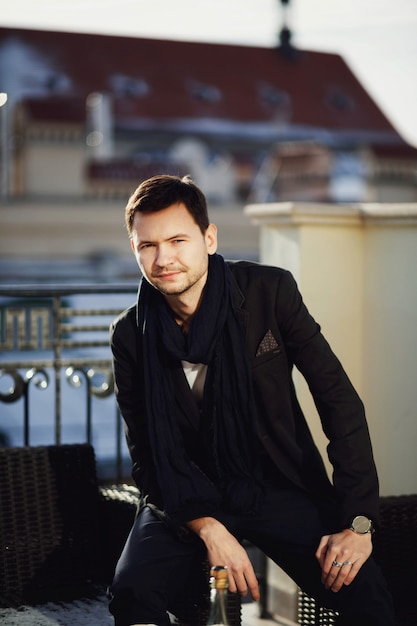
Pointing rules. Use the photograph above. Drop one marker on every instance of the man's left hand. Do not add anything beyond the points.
(341, 556)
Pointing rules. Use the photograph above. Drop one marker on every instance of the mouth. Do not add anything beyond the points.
(167, 275)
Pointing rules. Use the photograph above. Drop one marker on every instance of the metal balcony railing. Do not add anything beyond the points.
(56, 380)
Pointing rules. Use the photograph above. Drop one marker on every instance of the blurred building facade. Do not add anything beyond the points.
(90, 115)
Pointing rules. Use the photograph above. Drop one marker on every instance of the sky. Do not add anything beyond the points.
(377, 38)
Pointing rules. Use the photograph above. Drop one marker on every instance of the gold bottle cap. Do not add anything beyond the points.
(218, 577)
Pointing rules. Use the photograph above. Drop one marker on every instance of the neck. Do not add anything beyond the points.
(183, 311)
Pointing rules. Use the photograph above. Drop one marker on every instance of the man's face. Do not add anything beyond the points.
(171, 250)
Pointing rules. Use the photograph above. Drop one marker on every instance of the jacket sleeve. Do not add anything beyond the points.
(129, 394)
(340, 409)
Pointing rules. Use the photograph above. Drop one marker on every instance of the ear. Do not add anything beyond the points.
(132, 245)
(210, 237)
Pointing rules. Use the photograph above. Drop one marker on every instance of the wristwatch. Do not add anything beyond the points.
(362, 525)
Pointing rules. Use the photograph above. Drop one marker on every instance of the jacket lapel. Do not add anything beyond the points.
(238, 301)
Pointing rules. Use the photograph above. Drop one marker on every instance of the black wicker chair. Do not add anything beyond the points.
(48, 523)
(61, 535)
(395, 549)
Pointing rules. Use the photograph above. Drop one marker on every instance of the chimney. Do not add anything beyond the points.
(99, 126)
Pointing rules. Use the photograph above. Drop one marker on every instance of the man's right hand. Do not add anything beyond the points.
(224, 549)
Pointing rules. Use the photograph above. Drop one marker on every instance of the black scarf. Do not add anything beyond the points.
(215, 338)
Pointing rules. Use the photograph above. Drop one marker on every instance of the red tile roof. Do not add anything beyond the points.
(158, 82)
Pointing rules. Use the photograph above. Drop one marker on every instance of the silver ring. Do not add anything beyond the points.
(337, 564)
(348, 563)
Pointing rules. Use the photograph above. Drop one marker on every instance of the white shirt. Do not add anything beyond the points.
(195, 374)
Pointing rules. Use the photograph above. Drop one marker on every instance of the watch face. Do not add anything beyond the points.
(362, 524)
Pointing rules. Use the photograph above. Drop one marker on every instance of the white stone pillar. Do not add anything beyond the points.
(356, 266)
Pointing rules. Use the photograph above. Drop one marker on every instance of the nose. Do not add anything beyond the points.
(163, 256)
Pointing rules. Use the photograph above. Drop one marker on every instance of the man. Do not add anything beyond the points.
(221, 451)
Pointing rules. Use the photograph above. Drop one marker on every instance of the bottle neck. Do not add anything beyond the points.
(218, 612)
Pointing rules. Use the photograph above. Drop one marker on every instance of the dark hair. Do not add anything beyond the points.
(160, 192)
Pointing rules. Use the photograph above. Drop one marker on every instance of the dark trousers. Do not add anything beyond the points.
(154, 566)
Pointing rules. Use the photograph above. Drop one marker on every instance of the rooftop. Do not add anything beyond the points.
(212, 87)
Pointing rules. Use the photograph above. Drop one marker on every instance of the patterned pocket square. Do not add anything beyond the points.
(268, 344)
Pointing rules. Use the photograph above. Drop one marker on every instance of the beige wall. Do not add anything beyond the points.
(390, 358)
(54, 170)
(76, 228)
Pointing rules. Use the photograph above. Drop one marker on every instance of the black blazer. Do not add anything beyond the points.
(280, 333)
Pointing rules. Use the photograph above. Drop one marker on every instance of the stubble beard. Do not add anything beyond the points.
(185, 285)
